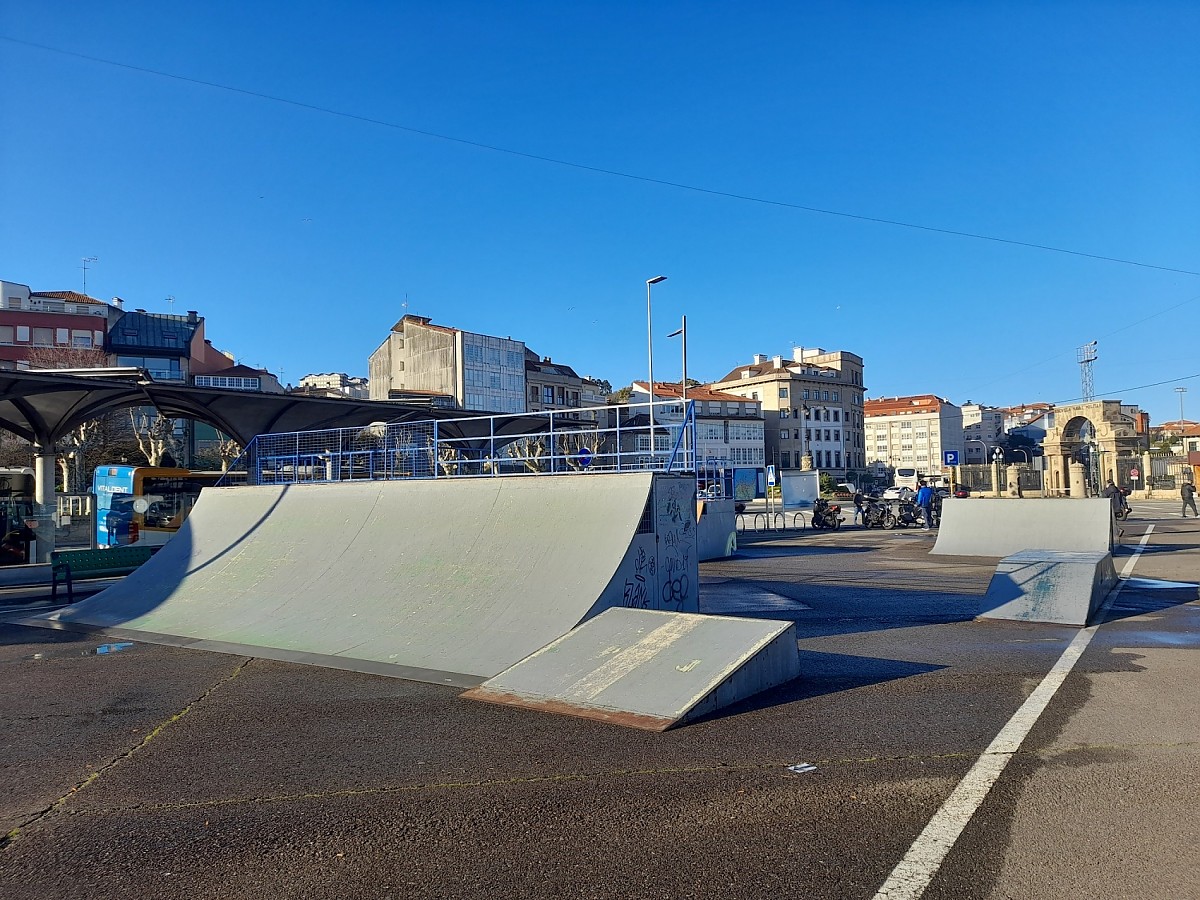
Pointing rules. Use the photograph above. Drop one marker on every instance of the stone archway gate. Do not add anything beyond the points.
(1110, 427)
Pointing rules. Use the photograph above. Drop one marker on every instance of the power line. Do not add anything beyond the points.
(598, 170)
(1140, 387)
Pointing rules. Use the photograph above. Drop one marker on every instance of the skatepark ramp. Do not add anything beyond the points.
(989, 527)
(1049, 586)
(651, 670)
(447, 581)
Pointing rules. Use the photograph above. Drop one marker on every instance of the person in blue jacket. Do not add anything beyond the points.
(925, 501)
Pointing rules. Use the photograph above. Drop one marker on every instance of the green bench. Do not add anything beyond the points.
(101, 563)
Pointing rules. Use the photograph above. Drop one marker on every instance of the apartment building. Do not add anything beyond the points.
(911, 432)
(471, 371)
(983, 429)
(40, 322)
(812, 407)
(729, 427)
(334, 384)
(555, 386)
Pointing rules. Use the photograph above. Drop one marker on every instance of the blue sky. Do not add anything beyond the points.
(299, 233)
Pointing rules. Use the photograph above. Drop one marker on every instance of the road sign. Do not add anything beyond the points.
(950, 457)
(585, 457)
(1134, 473)
(770, 476)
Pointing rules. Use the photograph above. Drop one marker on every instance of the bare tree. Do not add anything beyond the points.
(155, 435)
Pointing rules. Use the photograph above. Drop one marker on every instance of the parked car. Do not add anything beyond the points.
(962, 491)
(898, 493)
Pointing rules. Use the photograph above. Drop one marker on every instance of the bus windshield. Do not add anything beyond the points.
(144, 505)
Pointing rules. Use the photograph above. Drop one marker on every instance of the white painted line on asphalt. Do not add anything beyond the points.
(913, 874)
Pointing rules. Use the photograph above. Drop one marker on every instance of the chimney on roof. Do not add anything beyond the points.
(798, 354)
(193, 317)
(778, 362)
(118, 302)
(759, 359)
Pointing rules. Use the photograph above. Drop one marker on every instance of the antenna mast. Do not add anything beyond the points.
(86, 260)
(1087, 355)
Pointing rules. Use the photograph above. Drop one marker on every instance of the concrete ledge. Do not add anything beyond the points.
(716, 529)
(648, 669)
(984, 527)
(1049, 586)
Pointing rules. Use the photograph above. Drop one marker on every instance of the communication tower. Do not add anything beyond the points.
(1087, 355)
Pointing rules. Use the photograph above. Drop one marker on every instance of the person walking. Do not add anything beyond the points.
(858, 507)
(1188, 493)
(925, 501)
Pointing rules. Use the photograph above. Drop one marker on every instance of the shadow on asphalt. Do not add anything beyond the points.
(1142, 596)
(827, 673)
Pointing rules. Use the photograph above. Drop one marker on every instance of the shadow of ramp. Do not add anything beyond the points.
(649, 670)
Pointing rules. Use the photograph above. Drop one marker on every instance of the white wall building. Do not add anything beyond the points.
(983, 429)
(912, 432)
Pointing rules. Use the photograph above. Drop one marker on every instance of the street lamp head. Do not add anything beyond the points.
(656, 279)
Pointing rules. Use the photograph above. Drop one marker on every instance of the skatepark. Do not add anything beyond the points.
(148, 768)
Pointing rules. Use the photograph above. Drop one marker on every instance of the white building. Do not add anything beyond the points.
(912, 432)
(729, 428)
(983, 429)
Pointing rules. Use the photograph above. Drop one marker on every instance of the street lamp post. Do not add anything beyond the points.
(997, 457)
(1022, 450)
(1181, 391)
(682, 332)
(650, 352)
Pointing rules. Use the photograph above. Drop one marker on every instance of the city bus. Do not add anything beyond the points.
(144, 505)
(908, 477)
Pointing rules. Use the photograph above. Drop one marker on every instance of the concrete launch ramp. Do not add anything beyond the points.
(651, 670)
(1041, 586)
(984, 527)
(449, 580)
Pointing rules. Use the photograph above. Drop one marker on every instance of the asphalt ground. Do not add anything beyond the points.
(140, 770)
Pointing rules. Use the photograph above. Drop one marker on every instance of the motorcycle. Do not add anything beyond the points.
(878, 515)
(826, 514)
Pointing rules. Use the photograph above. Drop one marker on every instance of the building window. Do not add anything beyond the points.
(825, 395)
(783, 393)
(836, 413)
(533, 393)
(785, 460)
(6, 334)
(784, 413)
(548, 399)
(804, 395)
(62, 336)
(785, 435)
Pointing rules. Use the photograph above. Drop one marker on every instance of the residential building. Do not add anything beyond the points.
(729, 427)
(241, 378)
(983, 429)
(168, 347)
(472, 371)
(335, 384)
(812, 407)
(912, 432)
(554, 386)
(42, 321)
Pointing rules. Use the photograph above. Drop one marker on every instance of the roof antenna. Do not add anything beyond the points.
(86, 260)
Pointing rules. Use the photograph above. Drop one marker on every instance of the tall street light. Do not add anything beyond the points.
(1181, 391)
(682, 332)
(650, 350)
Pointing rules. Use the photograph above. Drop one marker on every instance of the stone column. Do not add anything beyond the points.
(45, 503)
(1078, 481)
(1014, 481)
(1146, 475)
(995, 478)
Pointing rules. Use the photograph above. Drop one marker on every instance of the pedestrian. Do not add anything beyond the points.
(925, 501)
(1188, 492)
(858, 506)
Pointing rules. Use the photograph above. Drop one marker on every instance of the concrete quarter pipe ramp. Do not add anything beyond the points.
(449, 581)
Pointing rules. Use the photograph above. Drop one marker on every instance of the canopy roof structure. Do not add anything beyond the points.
(43, 406)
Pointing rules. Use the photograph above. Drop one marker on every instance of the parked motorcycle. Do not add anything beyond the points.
(878, 515)
(826, 514)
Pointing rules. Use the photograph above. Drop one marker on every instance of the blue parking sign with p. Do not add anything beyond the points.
(950, 457)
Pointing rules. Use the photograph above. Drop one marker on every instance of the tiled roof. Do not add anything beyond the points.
(70, 296)
(895, 406)
(669, 391)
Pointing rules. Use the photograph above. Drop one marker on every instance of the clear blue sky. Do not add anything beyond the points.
(299, 233)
